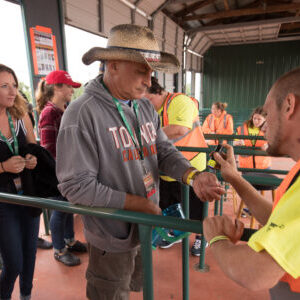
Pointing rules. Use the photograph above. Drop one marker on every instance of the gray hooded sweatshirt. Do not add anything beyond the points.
(98, 163)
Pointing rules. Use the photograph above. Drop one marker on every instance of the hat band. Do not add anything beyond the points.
(149, 55)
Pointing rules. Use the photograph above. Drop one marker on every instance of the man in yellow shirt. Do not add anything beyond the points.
(271, 259)
(180, 122)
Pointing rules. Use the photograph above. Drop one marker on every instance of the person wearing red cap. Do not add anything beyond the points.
(52, 95)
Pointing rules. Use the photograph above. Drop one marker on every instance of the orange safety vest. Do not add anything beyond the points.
(251, 161)
(194, 137)
(294, 283)
(220, 128)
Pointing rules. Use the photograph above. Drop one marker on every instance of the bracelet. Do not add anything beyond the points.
(218, 238)
(2, 167)
(190, 178)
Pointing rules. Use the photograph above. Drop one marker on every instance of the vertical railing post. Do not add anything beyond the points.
(223, 198)
(145, 234)
(46, 218)
(201, 266)
(221, 205)
(216, 210)
(185, 195)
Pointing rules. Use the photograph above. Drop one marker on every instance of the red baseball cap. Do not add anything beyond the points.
(56, 77)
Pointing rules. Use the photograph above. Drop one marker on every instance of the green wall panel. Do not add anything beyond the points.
(241, 75)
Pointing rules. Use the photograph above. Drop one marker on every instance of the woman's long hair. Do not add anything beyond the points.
(44, 93)
(19, 109)
(257, 111)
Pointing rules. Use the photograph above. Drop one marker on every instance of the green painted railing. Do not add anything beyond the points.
(146, 221)
(232, 137)
(236, 151)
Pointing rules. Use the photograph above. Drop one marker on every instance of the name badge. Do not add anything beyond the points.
(18, 183)
(149, 182)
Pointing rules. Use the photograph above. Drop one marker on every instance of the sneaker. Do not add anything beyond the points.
(195, 250)
(77, 247)
(67, 258)
(43, 244)
(165, 244)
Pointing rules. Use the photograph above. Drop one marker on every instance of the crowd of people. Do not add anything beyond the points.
(109, 148)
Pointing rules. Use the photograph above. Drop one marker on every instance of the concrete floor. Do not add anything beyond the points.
(53, 280)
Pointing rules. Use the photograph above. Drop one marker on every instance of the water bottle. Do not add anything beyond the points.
(174, 210)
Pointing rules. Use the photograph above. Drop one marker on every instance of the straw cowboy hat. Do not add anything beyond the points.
(133, 43)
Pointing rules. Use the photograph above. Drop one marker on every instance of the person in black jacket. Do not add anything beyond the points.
(19, 225)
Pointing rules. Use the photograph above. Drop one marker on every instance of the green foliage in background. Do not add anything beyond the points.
(78, 92)
(26, 90)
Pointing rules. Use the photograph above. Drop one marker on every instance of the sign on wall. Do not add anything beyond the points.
(44, 50)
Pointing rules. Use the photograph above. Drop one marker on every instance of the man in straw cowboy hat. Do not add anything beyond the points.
(110, 151)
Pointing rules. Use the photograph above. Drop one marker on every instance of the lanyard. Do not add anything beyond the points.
(136, 111)
(14, 151)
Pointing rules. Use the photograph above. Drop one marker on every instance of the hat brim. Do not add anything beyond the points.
(75, 84)
(168, 62)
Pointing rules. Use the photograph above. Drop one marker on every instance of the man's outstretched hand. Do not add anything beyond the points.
(207, 187)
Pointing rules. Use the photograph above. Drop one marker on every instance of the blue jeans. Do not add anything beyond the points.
(18, 239)
(62, 227)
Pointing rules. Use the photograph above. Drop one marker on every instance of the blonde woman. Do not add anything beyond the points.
(18, 226)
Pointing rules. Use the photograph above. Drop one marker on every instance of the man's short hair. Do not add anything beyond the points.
(155, 87)
(287, 83)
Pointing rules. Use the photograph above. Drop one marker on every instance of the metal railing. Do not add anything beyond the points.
(146, 222)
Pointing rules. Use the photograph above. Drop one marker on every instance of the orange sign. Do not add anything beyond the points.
(44, 50)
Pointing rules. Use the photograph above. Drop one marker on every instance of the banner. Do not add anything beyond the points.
(44, 50)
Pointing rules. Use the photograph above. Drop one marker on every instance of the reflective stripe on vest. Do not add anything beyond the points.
(195, 124)
(285, 184)
(211, 121)
(250, 161)
(244, 131)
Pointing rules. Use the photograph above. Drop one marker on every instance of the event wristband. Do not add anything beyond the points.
(190, 178)
(218, 238)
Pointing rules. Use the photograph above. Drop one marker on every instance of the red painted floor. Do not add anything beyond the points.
(53, 280)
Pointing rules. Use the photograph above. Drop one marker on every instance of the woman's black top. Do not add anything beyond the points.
(6, 178)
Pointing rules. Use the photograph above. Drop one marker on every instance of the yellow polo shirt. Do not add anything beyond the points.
(182, 111)
(280, 236)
